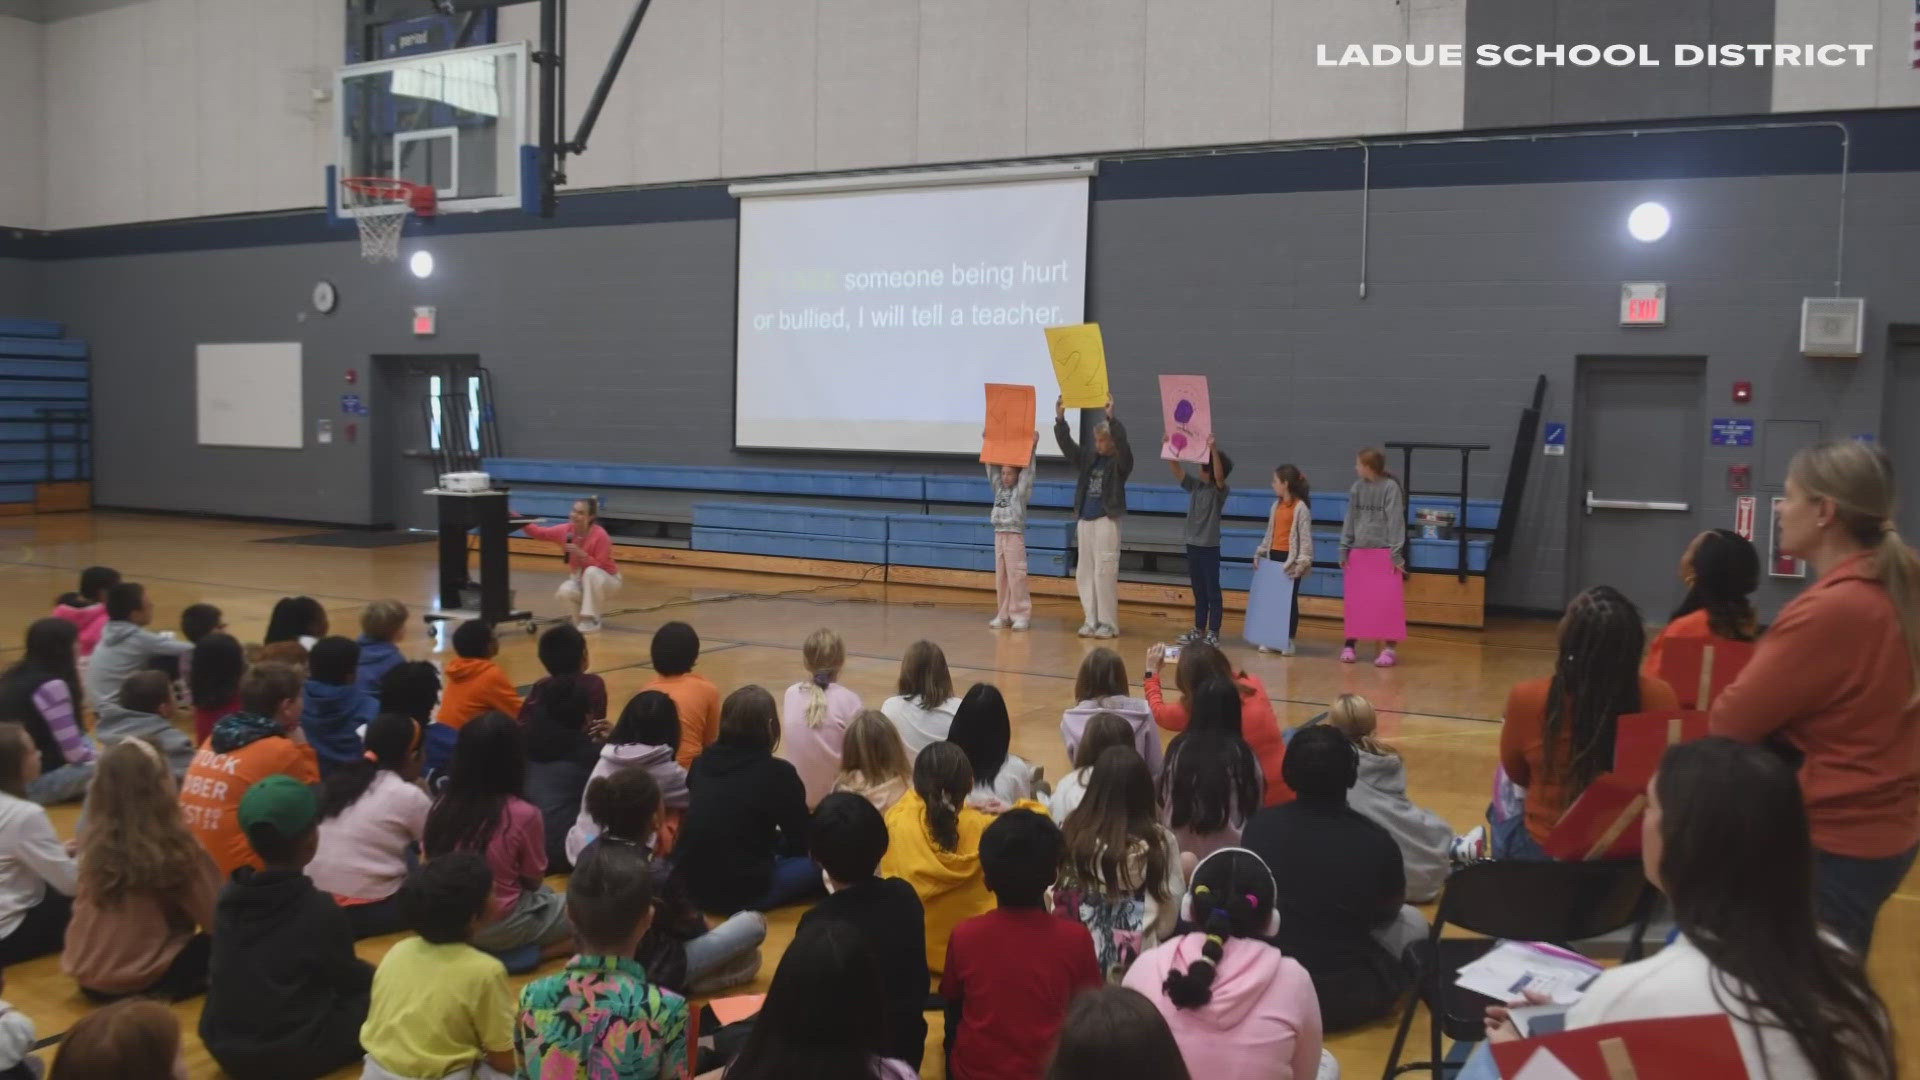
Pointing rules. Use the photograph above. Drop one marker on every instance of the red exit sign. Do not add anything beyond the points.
(1643, 303)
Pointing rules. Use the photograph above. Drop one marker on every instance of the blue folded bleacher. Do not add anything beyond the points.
(41, 369)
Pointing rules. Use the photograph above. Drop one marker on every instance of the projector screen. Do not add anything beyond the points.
(872, 320)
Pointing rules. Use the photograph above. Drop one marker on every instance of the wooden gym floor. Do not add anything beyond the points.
(1441, 706)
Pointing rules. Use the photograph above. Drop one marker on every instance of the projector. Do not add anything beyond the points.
(466, 481)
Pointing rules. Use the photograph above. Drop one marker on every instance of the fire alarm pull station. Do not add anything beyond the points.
(1739, 478)
(1742, 393)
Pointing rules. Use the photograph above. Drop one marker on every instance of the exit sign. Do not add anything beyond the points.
(1643, 303)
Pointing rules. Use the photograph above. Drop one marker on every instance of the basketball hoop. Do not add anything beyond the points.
(381, 206)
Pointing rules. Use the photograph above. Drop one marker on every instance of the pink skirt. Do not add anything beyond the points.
(1376, 596)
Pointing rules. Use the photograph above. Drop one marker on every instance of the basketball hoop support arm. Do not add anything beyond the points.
(554, 146)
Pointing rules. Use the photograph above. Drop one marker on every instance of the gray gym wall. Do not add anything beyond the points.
(615, 343)
(19, 287)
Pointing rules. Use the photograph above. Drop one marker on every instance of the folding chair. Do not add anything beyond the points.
(1699, 670)
(1555, 902)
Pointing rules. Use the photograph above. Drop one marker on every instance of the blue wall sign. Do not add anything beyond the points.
(1554, 441)
(1733, 431)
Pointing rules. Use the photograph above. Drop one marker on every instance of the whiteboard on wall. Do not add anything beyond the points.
(249, 395)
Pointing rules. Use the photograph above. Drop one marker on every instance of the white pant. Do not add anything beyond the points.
(1098, 571)
(588, 591)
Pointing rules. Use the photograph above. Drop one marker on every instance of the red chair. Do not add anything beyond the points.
(1698, 670)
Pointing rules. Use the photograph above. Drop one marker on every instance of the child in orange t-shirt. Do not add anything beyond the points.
(261, 740)
(676, 648)
(1721, 569)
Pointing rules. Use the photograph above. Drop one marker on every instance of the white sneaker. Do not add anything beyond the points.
(1019, 624)
(1262, 650)
(1087, 629)
(1105, 631)
(586, 625)
(1288, 651)
(997, 624)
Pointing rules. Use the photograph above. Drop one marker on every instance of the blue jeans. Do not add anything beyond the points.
(1203, 571)
(63, 785)
(1511, 840)
(795, 878)
(1848, 892)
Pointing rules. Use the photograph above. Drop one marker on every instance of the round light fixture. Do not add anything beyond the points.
(422, 263)
(1649, 222)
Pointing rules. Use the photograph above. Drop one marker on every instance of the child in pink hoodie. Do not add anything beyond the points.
(1238, 1009)
(86, 608)
(816, 713)
(646, 737)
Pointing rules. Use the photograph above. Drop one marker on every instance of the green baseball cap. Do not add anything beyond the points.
(279, 801)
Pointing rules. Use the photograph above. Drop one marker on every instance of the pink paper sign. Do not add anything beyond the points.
(1375, 600)
(1188, 416)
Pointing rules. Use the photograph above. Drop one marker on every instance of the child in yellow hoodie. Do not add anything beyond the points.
(475, 686)
(934, 845)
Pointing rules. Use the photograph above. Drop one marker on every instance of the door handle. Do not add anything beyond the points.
(1633, 504)
(417, 455)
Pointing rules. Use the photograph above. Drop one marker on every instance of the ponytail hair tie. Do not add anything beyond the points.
(371, 756)
(823, 678)
(1253, 902)
(1202, 890)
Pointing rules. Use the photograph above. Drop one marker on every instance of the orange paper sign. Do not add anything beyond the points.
(1009, 437)
(732, 1010)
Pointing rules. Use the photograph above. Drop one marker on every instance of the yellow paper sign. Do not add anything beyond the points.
(1080, 364)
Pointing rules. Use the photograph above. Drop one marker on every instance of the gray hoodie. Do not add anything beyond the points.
(117, 723)
(124, 649)
(1376, 518)
(1010, 503)
(1425, 841)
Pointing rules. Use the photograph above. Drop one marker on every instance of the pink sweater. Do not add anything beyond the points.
(815, 750)
(89, 620)
(363, 849)
(1262, 1024)
(597, 547)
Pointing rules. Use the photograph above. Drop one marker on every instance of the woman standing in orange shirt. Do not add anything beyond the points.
(1837, 678)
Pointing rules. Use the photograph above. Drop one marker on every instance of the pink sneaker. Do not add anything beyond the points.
(1346, 655)
(1385, 659)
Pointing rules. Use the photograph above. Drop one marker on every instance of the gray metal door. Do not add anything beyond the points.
(410, 428)
(1636, 438)
(1898, 430)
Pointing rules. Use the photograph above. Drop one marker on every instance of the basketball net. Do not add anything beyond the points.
(381, 207)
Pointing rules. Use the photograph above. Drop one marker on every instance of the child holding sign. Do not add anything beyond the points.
(1373, 542)
(1207, 493)
(1012, 487)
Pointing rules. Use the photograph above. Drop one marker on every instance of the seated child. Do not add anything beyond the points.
(129, 1038)
(602, 1015)
(298, 619)
(816, 712)
(676, 648)
(561, 752)
(475, 686)
(680, 952)
(563, 652)
(37, 876)
(126, 645)
(17, 1036)
(335, 707)
(441, 1008)
(41, 691)
(287, 995)
(1120, 875)
(819, 1016)
(1103, 732)
(145, 711)
(1114, 1033)
(933, 844)
(484, 809)
(147, 887)
(1101, 687)
(647, 737)
(847, 838)
(373, 817)
(1428, 847)
(982, 728)
(873, 761)
(744, 841)
(924, 707)
(196, 622)
(86, 607)
(246, 746)
(213, 683)
(1011, 972)
(1237, 1007)
(381, 625)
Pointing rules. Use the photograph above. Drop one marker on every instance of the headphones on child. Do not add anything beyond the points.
(1273, 917)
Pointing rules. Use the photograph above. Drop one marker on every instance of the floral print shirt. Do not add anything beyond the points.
(600, 1019)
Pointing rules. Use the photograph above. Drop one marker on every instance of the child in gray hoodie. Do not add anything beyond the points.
(145, 711)
(1427, 844)
(126, 645)
(1012, 487)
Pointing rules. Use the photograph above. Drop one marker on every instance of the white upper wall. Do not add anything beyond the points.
(22, 126)
(1891, 81)
(730, 88)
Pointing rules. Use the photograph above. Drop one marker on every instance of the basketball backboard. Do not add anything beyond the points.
(456, 121)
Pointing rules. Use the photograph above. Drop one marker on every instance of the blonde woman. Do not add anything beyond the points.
(1427, 844)
(873, 763)
(1838, 677)
(147, 886)
(815, 715)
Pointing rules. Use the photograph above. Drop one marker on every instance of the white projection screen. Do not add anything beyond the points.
(871, 320)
